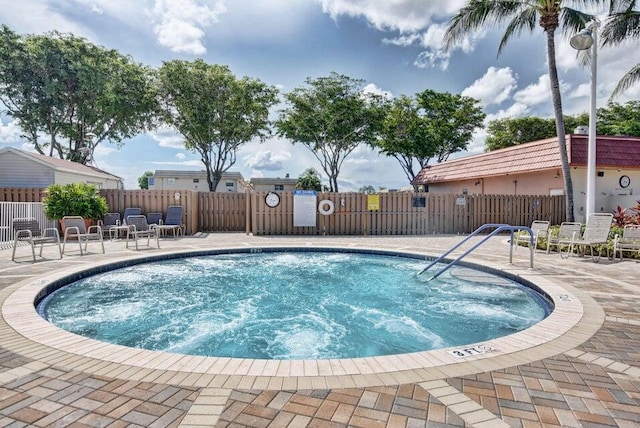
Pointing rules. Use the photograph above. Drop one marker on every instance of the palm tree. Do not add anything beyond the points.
(520, 16)
(622, 23)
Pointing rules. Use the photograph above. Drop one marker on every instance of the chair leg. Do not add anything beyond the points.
(13, 253)
(33, 251)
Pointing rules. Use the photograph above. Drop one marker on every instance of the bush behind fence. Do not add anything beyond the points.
(398, 214)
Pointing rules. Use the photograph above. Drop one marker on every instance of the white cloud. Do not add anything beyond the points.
(494, 87)
(433, 59)
(374, 89)
(193, 162)
(9, 133)
(180, 156)
(266, 160)
(539, 92)
(401, 15)
(167, 137)
(181, 23)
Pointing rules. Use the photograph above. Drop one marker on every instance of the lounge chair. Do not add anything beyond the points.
(595, 233)
(568, 230)
(123, 228)
(540, 229)
(173, 221)
(154, 218)
(109, 224)
(139, 228)
(75, 228)
(629, 241)
(28, 230)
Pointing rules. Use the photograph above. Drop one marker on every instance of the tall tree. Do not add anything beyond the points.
(309, 180)
(617, 119)
(214, 111)
(622, 24)
(143, 180)
(521, 16)
(330, 116)
(69, 95)
(434, 125)
(509, 132)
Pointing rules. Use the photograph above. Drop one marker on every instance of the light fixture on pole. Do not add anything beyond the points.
(584, 40)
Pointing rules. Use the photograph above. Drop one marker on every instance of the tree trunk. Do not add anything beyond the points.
(557, 110)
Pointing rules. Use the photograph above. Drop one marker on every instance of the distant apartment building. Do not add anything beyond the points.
(194, 180)
(266, 184)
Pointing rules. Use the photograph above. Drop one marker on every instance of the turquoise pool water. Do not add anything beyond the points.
(292, 305)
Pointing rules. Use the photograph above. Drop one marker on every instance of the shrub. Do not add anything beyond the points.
(75, 199)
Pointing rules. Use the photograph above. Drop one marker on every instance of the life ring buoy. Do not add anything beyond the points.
(326, 207)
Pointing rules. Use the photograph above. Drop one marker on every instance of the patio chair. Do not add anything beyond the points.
(173, 221)
(629, 241)
(540, 229)
(123, 228)
(139, 228)
(154, 219)
(568, 230)
(109, 224)
(29, 230)
(595, 233)
(76, 228)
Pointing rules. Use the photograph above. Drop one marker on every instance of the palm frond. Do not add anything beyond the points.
(628, 80)
(621, 26)
(573, 21)
(475, 15)
(525, 20)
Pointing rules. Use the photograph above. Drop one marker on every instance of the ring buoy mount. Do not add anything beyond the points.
(326, 207)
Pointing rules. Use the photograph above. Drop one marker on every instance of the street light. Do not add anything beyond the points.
(585, 39)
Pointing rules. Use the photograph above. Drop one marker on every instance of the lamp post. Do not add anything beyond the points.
(584, 40)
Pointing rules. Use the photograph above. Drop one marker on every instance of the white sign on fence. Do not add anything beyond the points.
(304, 208)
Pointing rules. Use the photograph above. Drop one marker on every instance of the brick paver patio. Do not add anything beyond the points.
(589, 376)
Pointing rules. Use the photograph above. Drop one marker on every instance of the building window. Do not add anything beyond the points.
(171, 180)
(229, 184)
(278, 187)
(196, 180)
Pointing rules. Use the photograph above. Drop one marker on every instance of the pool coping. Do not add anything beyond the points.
(576, 318)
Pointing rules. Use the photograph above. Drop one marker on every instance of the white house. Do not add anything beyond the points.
(26, 169)
(194, 180)
(266, 184)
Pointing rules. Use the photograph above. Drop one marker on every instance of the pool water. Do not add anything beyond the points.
(292, 305)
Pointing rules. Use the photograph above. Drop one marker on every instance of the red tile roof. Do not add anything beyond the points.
(535, 156)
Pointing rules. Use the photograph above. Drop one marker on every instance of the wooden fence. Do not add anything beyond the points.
(398, 213)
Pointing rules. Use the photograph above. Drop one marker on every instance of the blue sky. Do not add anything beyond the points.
(394, 46)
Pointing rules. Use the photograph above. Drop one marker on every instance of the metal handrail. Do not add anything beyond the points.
(498, 228)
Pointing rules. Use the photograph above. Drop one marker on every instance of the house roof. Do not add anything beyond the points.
(611, 152)
(272, 180)
(61, 164)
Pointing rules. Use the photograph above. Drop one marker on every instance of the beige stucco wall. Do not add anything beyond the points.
(608, 193)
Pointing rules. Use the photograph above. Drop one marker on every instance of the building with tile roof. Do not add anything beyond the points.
(535, 169)
(19, 168)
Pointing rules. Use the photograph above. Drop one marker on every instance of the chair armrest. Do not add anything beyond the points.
(28, 234)
(54, 231)
(98, 229)
(69, 230)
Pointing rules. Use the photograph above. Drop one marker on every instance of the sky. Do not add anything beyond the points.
(395, 47)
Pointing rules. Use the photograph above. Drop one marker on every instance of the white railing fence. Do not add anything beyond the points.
(11, 210)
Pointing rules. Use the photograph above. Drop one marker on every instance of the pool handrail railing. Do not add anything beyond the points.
(498, 228)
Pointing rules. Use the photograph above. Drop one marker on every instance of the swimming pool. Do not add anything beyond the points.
(226, 315)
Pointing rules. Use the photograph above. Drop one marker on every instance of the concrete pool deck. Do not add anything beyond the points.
(579, 367)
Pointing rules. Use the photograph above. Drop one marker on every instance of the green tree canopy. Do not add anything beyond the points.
(432, 126)
(522, 16)
(615, 119)
(619, 119)
(509, 132)
(367, 190)
(214, 111)
(143, 180)
(330, 116)
(69, 95)
(309, 180)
